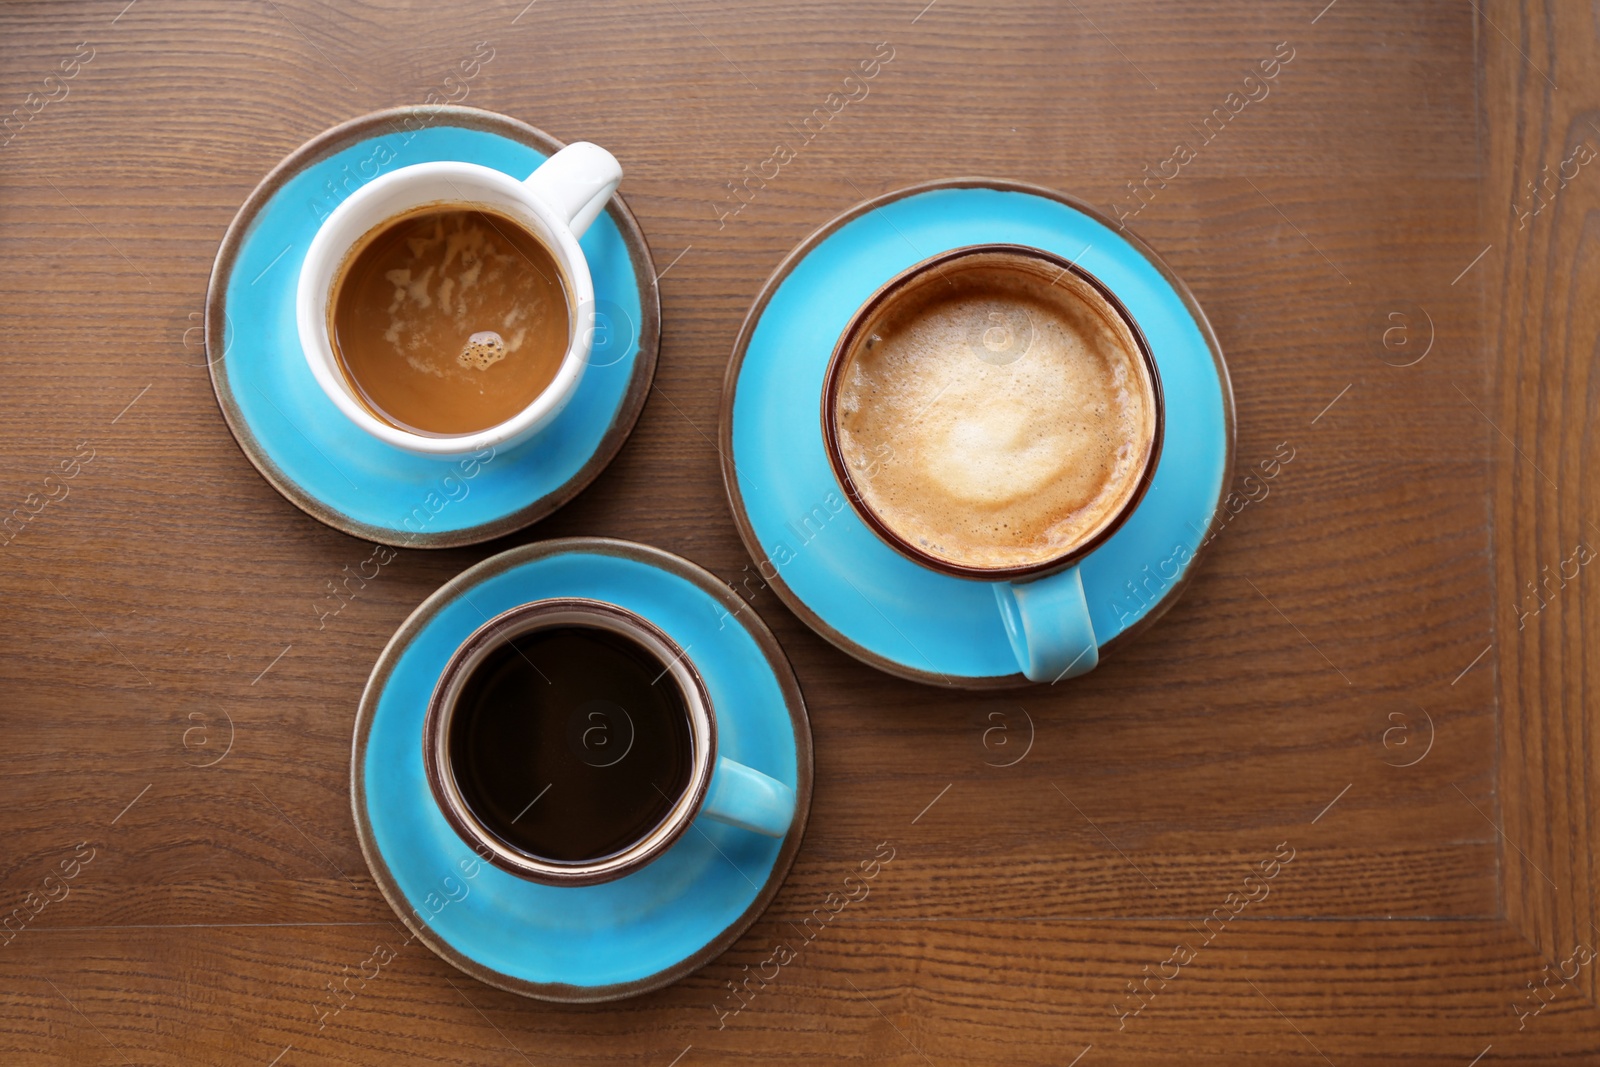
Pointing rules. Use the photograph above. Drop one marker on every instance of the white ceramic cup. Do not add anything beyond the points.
(556, 203)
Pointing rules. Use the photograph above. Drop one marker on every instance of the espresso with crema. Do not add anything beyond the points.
(995, 414)
(449, 320)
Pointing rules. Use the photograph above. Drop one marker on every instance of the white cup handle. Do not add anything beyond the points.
(576, 182)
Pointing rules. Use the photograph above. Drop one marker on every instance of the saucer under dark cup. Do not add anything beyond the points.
(615, 938)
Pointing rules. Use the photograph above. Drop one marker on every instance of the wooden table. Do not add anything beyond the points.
(1361, 676)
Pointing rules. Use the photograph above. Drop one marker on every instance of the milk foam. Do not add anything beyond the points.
(996, 462)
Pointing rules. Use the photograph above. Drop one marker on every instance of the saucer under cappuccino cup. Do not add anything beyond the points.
(994, 413)
(571, 741)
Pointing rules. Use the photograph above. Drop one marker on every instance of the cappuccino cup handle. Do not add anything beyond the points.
(576, 182)
(741, 796)
(1048, 623)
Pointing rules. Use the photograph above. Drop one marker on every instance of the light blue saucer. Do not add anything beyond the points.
(595, 942)
(320, 461)
(791, 511)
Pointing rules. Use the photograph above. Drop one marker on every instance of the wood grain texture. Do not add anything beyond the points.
(1346, 674)
(1542, 291)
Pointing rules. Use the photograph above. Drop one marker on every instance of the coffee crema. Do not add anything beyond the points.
(995, 414)
(449, 320)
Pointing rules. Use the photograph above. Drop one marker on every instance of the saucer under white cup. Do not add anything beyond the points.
(556, 203)
(325, 464)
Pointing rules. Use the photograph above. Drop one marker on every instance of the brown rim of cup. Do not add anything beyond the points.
(847, 343)
(510, 624)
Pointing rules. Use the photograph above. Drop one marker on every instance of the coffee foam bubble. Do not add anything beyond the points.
(1016, 414)
(482, 350)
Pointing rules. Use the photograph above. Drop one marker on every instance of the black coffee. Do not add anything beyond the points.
(571, 744)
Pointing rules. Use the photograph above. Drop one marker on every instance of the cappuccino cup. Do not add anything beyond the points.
(994, 413)
(571, 741)
(446, 307)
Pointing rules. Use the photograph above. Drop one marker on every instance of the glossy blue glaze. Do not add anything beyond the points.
(876, 598)
(748, 798)
(616, 932)
(349, 472)
(1047, 622)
